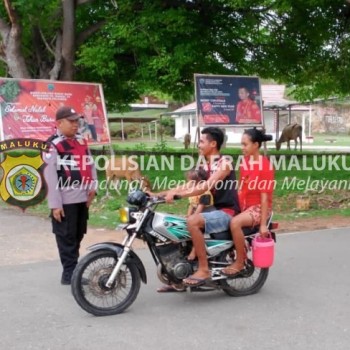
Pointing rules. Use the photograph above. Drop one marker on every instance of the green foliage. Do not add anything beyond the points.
(9, 90)
(306, 47)
(140, 146)
(157, 45)
(161, 146)
(168, 125)
(167, 121)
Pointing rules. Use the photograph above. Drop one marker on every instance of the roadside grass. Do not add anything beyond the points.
(326, 182)
(313, 213)
(327, 187)
(331, 139)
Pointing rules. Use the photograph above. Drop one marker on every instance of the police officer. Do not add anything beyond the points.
(71, 179)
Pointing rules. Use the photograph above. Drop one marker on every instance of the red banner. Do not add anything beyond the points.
(28, 108)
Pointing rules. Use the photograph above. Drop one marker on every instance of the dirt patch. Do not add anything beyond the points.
(312, 200)
(311, 224)
(335, 199)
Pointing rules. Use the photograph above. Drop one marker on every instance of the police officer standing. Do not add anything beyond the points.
(71, 179)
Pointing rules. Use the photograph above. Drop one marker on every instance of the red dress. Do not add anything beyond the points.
(255, 178)
(248, 112)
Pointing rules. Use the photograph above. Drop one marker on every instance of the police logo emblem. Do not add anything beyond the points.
(22, 183)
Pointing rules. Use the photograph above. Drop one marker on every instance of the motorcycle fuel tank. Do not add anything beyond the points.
(171, 226)
(175, 228)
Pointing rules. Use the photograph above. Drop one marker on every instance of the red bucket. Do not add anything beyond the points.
(263, 251)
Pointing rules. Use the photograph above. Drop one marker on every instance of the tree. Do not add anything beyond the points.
(40, 38)
(133, 46)
(306, 46)
(160, 44)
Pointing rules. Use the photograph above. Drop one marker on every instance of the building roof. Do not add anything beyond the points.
(273, 96)
(188, 108)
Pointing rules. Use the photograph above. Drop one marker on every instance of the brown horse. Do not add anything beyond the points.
(291, 132)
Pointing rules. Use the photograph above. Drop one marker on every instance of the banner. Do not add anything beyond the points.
(228, 100)
(28, 108)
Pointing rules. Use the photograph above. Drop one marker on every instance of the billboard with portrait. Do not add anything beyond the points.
(28, 108)
(228, 100)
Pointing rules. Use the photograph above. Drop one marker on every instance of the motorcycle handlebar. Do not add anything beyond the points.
(162, 199)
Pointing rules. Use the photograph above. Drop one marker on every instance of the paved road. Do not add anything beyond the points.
(304, 305)
(26, 238)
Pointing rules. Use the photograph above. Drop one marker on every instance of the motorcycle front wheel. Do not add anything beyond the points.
(89, 284)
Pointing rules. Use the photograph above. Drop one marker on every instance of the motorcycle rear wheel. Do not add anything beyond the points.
(89, 279)
(250, 282)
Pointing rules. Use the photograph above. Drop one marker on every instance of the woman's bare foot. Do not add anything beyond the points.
(233, 270)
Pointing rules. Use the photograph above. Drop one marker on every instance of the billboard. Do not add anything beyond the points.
(28, 108)
(228, 100)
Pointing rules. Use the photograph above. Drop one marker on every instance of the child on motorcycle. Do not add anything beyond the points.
(256, 185)
(198, 204)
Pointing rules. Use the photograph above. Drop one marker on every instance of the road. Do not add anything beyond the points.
(304, 304)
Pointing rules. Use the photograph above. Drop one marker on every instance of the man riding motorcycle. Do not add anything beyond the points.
(222, 182)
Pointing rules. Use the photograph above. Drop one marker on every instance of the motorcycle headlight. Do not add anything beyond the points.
(125, 215)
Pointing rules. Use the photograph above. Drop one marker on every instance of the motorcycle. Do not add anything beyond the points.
(107, 280)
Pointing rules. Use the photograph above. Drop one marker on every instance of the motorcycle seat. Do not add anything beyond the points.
(247, 231)
(226, 235)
